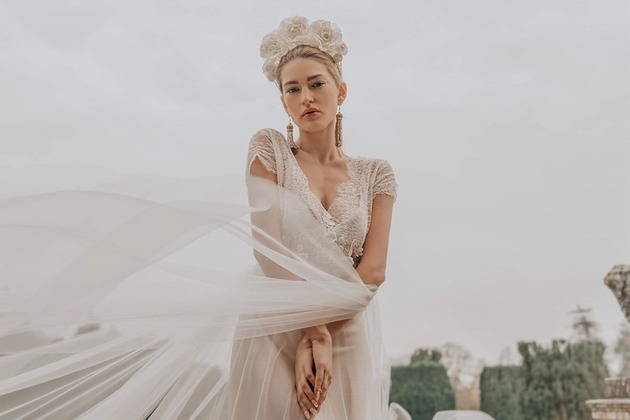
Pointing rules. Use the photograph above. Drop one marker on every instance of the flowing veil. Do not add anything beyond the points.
(99, 319)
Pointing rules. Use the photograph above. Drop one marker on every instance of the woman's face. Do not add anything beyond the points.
(310, 95)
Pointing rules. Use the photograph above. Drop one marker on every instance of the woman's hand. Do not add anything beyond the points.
(313, 369)
(305, 378)
(321, 343)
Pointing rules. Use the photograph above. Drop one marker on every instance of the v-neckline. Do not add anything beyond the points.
(337, 188)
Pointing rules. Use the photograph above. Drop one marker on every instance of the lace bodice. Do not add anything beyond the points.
(347, 220)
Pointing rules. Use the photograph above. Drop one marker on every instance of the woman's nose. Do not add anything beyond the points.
(307, 98)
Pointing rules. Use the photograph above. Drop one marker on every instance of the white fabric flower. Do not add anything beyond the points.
(295, 31)
(325, 30)
(269, 69)
(330, 36)
(294, 26)
(273, 44)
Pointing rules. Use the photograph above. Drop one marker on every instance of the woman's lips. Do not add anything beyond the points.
(310, 112)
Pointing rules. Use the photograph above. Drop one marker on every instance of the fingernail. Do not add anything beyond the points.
(314, 412)
(315, 404)
(317, 396)
(308, 416)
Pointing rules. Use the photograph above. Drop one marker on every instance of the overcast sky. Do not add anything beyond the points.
(506, 123)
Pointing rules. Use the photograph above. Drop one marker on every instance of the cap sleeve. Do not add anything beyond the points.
(384, 180)
(261, 147)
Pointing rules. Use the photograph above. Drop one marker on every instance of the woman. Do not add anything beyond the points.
(299, 338)
(351, 197)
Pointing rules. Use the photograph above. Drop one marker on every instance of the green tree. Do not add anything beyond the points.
(559, 379)
(553, 382)
(425, 355)
(584, 328)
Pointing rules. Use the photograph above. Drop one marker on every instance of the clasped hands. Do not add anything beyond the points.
(313, 369)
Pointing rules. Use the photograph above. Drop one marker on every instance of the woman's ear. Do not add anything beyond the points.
(343, 91)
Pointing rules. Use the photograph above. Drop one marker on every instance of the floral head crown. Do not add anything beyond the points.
(298, 30)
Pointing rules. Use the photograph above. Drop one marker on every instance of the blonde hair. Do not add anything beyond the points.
(306, 51)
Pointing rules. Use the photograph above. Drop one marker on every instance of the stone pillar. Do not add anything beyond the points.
(618, 281)
(616, 404)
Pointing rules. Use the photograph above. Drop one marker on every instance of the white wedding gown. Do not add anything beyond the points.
(174, 340)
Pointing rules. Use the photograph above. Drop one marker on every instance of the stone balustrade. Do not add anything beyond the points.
(616, 405)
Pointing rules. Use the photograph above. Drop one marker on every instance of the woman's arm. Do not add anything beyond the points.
(317, 340)
(257, 168)
(373, 263)
(268, 220)
(263, 219)
(315, 347)
(371, 269)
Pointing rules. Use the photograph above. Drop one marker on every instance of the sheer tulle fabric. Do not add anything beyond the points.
(100, 318)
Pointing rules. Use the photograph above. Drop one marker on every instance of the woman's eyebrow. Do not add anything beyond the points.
(308, 79)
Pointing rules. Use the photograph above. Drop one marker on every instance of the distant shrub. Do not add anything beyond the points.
(501, 388)
(422, 389)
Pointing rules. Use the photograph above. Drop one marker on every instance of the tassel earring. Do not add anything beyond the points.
(292, 144)
(338, 133)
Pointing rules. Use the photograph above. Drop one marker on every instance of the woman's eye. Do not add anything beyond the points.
(318, 84)
(292, 90)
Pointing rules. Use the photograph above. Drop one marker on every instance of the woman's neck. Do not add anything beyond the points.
(320, 146)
